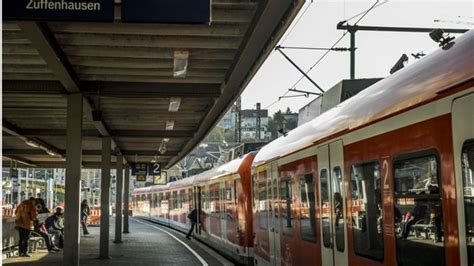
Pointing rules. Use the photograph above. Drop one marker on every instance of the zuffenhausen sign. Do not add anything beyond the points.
(167, 11)
(59, 10)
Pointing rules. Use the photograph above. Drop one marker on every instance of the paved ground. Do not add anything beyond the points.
(146, 244)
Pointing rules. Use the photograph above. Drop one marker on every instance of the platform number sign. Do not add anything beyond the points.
(159, 177)
(386, 186)
(154, 169)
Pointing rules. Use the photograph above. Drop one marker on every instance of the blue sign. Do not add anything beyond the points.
(59, 10)
(139, 168)
(167, 11)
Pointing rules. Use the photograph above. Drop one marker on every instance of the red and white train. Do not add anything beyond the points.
(384, 178)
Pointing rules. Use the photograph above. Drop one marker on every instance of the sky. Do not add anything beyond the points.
(376, 52)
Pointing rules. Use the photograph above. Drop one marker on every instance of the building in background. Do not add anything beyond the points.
(249, 125)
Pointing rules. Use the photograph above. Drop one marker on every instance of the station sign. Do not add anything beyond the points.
(139, 169)
(167, 11)
(59, 10)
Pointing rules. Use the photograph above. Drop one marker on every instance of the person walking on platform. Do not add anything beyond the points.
(85, 212)
(25, 215)
(192, 216)
(55, 226)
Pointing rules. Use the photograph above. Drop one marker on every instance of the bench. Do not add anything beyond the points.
(427, 229)
(36, 241)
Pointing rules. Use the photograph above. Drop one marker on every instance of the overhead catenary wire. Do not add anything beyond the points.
(296, 22)
(364, 13)
(338, 40)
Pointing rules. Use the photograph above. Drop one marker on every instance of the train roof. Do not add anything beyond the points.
(141, 190)
(414, 85)
(188, 181)
(229, 168)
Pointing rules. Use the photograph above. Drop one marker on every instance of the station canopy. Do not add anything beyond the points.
(156, 89)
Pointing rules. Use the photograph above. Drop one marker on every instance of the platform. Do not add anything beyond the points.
(146, 244)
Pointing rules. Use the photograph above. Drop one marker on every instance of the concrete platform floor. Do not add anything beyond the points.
(146, 244)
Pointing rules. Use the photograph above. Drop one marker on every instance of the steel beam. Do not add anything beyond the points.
(116, 89)
(349, 27)
(15, 152)
(43, 39)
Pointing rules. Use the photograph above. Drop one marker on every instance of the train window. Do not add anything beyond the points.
(155, 200)
(366, 210)
(286, 194)
(308, 209)
(262, 200)
(338, 207)
(323, 176)
(467, 162)
(416, 176)
(214, 194)
(418, 210)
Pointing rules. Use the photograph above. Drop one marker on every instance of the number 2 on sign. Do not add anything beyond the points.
(385, 175)
(156, 168)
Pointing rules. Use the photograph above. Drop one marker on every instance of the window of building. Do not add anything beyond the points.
(307, 208)
(418, 209)
(286, 194)
(366, 210)
(325, 210)
(467, 162)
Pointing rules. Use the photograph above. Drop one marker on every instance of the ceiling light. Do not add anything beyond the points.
(175, 102)
(180, 64)
(169, 124)
(32, 143)
(52, 153)
(162, 148)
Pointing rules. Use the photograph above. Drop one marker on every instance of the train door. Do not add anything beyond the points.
(332, 204)
(463, 148)
(273, 222)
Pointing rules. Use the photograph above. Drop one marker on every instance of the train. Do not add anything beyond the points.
(383, 178)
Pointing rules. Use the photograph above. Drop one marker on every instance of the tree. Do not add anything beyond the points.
(275, 123)
(288, 110)
(216, 135)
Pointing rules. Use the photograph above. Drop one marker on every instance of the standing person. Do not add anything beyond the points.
(25, 215)
(192, 216)
(85, 212)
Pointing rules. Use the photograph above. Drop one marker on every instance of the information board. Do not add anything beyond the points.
(167, 11)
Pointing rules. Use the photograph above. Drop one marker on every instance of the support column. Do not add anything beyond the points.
(105, 199)
(118, 199)
(73, 180)
(126, 196)
(352, 50)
